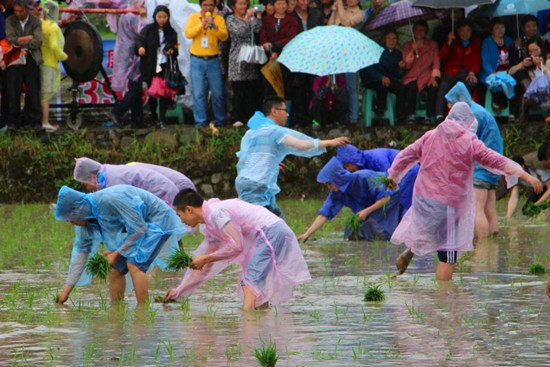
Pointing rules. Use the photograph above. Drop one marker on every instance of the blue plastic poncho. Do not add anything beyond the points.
(487, 129)
(380, 160)
(501, 82)
(263, 147)
(357, 191)
(127, 219)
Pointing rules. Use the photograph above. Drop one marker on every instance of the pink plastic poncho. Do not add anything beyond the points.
(109, 175)
(443, 209)
(268, 252)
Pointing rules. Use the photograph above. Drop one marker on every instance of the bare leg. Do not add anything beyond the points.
(117, 285)
(249, 300)
(491, 211)
(481, 222)
(45, 111)
(444, 271)
(141, 287)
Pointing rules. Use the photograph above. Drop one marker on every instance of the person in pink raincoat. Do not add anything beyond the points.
(442, 214)
(236, 232)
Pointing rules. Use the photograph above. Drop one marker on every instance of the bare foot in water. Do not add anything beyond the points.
(403, 260)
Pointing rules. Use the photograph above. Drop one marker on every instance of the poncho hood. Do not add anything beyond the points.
(258, 121)
(334, 172)
(84, 169)
(350, 154)
(459, 93)
(459, 121)
(73, 205)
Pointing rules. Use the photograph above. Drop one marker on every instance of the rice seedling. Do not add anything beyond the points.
(315, 314)
(353, 223)
(374, 294)
(234, 353)
(537, 269)
(366, 317)
(266, 354)
(179, 260)
(532, 210)
(169, 349)
(98, 266)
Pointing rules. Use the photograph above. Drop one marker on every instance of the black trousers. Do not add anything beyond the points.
(246, 99)
(382, 93)
(16, 76)
(338, 112)
(407, 99)
(445, 85)
(5, 108)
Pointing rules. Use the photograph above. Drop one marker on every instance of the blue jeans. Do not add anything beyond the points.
(204, 74)
(353, 98)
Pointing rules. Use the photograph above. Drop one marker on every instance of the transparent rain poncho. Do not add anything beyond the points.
(357, 191)
(380, 160)
(127, 219)
(443, 210)
(109, 175)
(487, 129)
(236, 232)
(263, 147)
(179, 179)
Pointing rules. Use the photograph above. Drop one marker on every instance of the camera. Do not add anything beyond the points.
(258, 8)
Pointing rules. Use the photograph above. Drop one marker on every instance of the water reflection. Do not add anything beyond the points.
(493, 314)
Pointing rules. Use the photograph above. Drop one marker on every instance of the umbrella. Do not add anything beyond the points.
(330, 50)
(400, 12)
(513, 7)
(445, 4)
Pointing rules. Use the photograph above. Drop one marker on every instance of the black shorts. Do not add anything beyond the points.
(448, 257)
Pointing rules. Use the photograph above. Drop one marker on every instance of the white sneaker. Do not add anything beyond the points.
(238, 124)
(50, 128)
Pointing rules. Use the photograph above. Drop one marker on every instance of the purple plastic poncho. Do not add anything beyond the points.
(110, 175)
(127, 219)
(357, 191)
(179, 179)
(126, 62)
(268, 251)
(380, 160)
(443, 210)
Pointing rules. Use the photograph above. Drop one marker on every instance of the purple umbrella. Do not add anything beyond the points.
(400, 13)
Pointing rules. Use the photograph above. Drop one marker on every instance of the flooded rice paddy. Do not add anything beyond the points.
(493, 313)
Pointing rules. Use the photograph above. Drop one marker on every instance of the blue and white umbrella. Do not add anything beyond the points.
(330, 50)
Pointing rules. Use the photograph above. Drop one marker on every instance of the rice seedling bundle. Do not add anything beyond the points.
(536, 269)
(374, 294)
(179, 260)
(532, 210)
(353, 223)
(98, 266)
(267, 355)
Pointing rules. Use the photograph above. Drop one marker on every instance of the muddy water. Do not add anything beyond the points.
(492, 314)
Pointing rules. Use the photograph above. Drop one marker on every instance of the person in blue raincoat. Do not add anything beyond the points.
(485, 182)
(380, 160)
(136, 227)
(263, 149)
(364, 193)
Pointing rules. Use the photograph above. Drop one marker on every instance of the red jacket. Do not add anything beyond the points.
(288, 29)
(458, 57)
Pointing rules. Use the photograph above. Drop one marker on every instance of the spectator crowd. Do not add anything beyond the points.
(506, 71)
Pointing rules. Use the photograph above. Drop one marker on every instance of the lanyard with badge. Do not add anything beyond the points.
(204, 39)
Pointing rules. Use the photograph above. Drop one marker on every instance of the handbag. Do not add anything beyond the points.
(159, 89)
(174, 78)
(252, 54)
